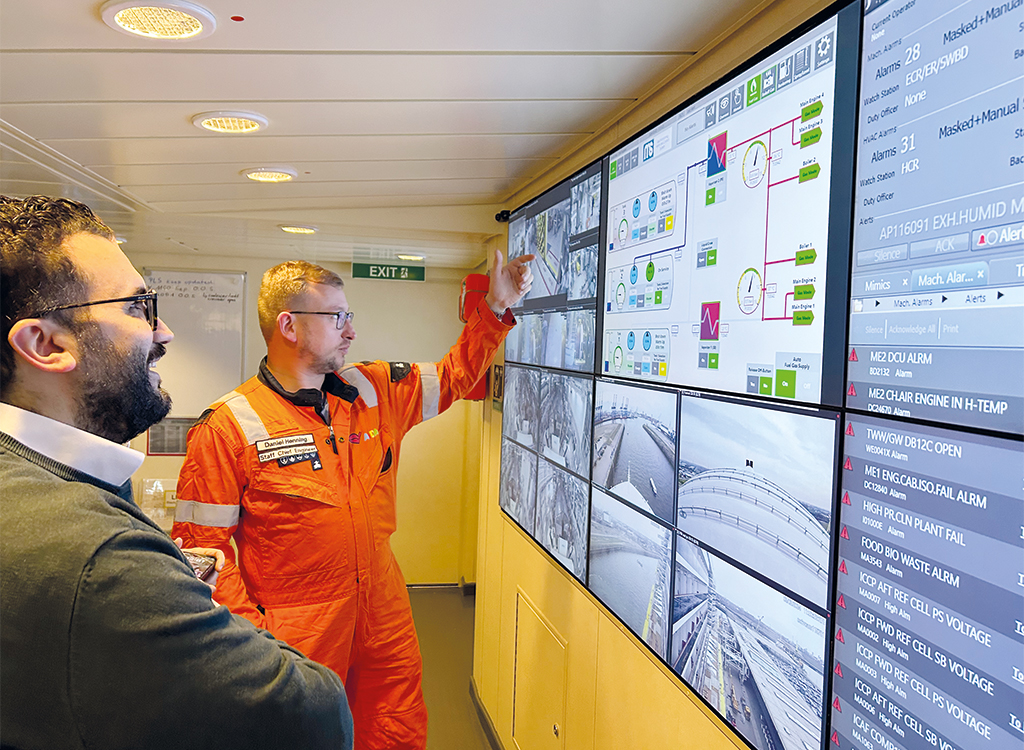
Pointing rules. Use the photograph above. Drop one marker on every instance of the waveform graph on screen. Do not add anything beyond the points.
(716, 153)
(709, 320)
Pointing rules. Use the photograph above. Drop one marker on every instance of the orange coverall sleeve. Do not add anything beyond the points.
(423, 394)
(210, 487)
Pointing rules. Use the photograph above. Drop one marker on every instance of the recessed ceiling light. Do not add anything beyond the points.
(410, 257)
(159, 19)
(298, 228)
(271, 174)
(230, 122)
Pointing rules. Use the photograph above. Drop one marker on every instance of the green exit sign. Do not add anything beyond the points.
(387, 271)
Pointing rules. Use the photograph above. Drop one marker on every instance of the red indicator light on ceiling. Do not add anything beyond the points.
(237, 18)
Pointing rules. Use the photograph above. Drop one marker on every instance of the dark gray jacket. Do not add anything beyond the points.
(107, 639)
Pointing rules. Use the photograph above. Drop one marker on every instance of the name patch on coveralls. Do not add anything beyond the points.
(283, 442)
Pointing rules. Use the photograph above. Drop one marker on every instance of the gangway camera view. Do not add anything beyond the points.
(566, 409)
(758, 485)
(630, 568)
(558, 317)
(561, 522)
(635, 446)
(518, 492)
(718, 228)
(752, 653)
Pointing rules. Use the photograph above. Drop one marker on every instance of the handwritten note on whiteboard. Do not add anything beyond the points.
(206, 312)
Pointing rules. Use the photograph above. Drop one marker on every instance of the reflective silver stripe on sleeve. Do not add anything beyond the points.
(247, 418)
(430, 384)
(354, 377)
(206, 514)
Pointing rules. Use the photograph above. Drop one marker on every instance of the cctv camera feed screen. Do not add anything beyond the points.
(522, 405)
(630, 568)
(757, 485)
(561, 521)
(562, 228)
(566, 407)
(929, 641)
(719, 257)
(635, 446)
(937, 296)
(755, 655)
(517, 494)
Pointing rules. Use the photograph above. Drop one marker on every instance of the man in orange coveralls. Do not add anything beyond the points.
(298, 465)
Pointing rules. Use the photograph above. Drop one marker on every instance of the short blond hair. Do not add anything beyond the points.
(283, 283)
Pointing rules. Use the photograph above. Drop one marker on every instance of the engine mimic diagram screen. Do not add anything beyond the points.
(937, 293)
(717, 233)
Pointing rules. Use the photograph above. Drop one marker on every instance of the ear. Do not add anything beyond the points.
(43, 344)
(286, 326)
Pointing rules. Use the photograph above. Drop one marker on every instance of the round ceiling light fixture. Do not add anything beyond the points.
(159, 19)
(270, 174)
(298, 228)
(230, 122)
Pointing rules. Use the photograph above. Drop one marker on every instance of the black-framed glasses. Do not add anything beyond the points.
(340, 318)
(148, 300)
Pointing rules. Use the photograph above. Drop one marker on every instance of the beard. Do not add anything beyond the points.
(322, 364)
(117, 399)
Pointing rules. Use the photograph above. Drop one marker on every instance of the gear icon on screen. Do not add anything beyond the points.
(824, 44)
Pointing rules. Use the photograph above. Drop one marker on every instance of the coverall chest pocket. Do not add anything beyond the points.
(296, 526)
(377, 471)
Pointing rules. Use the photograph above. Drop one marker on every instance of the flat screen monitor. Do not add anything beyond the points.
(631, 568)
(726, 258)
(557, 318)
(635, 445)
(929, 641)
(937, 293)
(756, 656)
(757, 485)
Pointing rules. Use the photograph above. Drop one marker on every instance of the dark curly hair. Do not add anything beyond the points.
(36, 271)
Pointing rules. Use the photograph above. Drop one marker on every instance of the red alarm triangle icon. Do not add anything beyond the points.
(835, 738)
(836, 706)
(839, 669)
(841, 602)
(842, 568)
(848, 465)
(846, 499)
(839, 636)
(845, 534)
(852, 391)
(853, 355)
(849, 429)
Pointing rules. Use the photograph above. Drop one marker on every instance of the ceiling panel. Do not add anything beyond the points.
(414, 121)
(258, 147)
(162, 119)
(218, 78)
(264, 205)
(248, 190)
(523, 25)
(325, 171)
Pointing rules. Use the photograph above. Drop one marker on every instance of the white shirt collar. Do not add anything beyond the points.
(88, 453)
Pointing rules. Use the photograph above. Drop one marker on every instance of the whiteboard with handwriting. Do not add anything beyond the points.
(206, 312)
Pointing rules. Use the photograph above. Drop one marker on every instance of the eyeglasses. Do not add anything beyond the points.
(340, 318)
(146, 301)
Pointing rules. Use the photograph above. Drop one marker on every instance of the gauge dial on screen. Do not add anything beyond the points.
(748, 291)
(755, 164)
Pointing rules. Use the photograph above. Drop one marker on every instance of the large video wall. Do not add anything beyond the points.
(753, 407)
